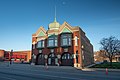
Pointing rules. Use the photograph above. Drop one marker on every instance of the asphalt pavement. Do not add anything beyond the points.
(37, 72)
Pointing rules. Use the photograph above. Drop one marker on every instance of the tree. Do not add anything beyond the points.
(99, 56)
(111, 46)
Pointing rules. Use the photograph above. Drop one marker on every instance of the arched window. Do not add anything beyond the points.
(41, 56)
(76, 41)
(66, 59)
(52, 55)
(51, 59)
(67, 56)
(40, 59)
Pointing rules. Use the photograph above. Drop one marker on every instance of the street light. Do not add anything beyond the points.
(11, 53)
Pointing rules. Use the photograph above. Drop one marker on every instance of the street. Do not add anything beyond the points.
(37, 72)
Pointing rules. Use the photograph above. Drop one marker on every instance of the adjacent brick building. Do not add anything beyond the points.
(61, 44)
(16, 56)
(99, 56)
(1, 55)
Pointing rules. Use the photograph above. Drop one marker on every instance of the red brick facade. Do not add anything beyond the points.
(16, 56)
(1, 55)
(78, 54)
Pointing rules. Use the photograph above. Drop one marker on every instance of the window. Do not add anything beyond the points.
(76, 41)
(41, 56)
(40, 44)
(52, 55)
(52, 41)
(66, 56)
(66, 39)
(43, 43)
(69, 40)
(55, 42)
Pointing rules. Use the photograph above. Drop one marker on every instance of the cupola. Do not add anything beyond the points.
(55, 24)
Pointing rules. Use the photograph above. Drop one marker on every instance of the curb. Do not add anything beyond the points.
(100, 69)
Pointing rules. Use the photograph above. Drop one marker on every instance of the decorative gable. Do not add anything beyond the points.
(41, 33)
(65, 30)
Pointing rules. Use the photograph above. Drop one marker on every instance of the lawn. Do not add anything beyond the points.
(115, 65)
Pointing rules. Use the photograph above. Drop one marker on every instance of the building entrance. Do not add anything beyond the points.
(66, 59)
(40, 60)
(51, 59)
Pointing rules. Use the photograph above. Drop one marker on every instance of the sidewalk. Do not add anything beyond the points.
(99, 69)
(3, 64)
(60, 67)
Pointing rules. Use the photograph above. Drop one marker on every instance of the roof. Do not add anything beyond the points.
(58, 31)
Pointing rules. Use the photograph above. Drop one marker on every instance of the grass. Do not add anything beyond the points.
(115, 65)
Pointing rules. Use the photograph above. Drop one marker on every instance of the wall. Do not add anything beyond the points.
(5, 55)
(1, 55)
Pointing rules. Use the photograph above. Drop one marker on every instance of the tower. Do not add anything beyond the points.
(54, 24)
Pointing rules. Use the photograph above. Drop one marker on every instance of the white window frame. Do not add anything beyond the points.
(41, 44)
(66, 40)
(54, 42)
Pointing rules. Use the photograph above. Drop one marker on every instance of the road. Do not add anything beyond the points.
(37, 72)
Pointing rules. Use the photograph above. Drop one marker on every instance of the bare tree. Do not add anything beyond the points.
(111, 46)
(102, 55)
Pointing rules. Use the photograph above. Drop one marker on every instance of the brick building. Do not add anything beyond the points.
(61, 44)
(99, 56)
(16, 56)
(1, 55)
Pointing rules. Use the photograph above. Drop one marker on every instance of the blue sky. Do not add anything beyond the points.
(19, 19)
